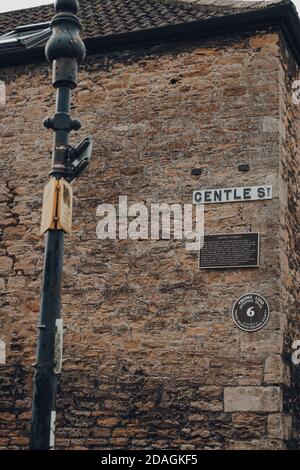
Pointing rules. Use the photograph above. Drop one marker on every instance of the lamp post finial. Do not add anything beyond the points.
(66, 5)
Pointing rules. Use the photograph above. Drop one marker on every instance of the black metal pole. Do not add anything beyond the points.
(45, 380)
(65, 49)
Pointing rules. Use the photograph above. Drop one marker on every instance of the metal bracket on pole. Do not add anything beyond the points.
(79, 159)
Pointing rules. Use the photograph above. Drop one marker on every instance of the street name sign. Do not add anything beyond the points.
(236, 194)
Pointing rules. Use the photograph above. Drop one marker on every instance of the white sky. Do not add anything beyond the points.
(8, 5)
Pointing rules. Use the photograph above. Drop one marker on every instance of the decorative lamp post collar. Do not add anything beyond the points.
(65, 48)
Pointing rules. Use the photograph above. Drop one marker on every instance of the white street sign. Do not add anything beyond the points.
(246, 193)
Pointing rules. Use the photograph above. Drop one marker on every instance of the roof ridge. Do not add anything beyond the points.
(238, 4)
(183, 3)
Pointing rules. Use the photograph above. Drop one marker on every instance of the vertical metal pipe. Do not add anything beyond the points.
(45, 381)
(64, 49)
(61, 136)
(63, 99)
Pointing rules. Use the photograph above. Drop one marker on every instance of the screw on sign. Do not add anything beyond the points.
(251, 312)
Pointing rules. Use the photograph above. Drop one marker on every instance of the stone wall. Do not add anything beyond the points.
(152, 357)
(290, 247)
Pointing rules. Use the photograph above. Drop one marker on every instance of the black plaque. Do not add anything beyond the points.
(251, 312)
(238, 250)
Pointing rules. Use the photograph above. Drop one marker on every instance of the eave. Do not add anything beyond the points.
(282, 17)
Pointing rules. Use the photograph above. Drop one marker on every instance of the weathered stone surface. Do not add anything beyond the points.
(271, 124)
(258, 444)
(6, 265)
(289, 220)
(274, 370)
(150, 344)
(265, 399)
(279, 426)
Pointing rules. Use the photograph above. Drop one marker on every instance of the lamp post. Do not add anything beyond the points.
(65, 50)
